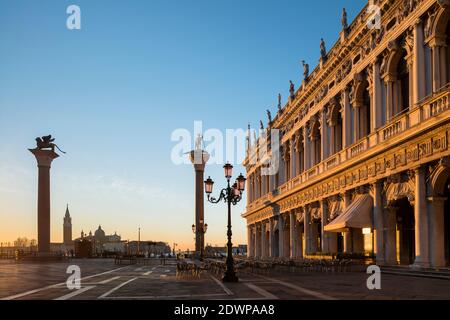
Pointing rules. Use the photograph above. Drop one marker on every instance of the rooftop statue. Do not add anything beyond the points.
(323, 49)
(269, 116)
(344, 20)
(46, 142)
(279, 102)
(305, 69)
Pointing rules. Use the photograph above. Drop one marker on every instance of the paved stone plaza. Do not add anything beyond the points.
(101, 279)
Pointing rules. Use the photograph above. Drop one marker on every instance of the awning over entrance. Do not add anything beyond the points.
(357, 215)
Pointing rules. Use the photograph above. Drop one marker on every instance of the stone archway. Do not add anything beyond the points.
(361, 102)
(405, 232)
(335, 122)
(398, 77)
(439, 210)
(315, 138)
(276, 240)
(447, 224)
(400, 220)
(437, 33)
(447, 42)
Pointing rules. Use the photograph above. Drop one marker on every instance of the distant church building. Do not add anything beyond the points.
(99, 243)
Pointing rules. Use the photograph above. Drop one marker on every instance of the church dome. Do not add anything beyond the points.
(99, 233)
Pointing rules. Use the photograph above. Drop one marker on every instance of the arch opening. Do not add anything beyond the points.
(447, 223)
(405, 232)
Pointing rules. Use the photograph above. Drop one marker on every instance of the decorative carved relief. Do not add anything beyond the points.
(429, 22)
(439, 175)
(396, 190)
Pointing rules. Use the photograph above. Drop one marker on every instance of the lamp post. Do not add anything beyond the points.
(201, 229)
(139, 242)
(231, 195)
(174, 246)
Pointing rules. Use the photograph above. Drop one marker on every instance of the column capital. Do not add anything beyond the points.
(389, 77)
(357, 104)
(44, 158)
(418, 169)
(199, 158)
(346, 193)
(437, 41)
(418, 22)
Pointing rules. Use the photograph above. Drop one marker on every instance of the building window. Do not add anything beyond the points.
(428, 80)
(383, 103)
(338, 133)
(448, 52)
(364, 119)
(403, 75)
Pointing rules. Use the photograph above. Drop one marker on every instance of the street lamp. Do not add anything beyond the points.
(174, 246)
(230, 195)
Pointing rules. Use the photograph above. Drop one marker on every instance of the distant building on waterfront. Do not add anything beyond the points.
(148, 248)
(100, 243)
(222, 251)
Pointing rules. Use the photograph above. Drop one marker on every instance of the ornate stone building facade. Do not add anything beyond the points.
(364, 144)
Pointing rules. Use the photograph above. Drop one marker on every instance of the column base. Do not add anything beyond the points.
(381, 262)
(420, 265)
(230, 277)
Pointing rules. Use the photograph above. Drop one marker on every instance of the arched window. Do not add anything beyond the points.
(316, 142)
(365, 114)
(383, 103)
(334, 132)
(448, 52)
(428, 71)
(361, 110)
(401, 90)
(402, 86)
(338, 133)
(300, 154)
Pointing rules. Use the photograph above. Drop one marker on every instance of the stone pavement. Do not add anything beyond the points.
(103, 280)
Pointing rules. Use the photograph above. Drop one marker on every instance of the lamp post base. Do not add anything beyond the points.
(230, 277)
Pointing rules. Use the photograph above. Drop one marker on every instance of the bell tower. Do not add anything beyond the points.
(67, 231)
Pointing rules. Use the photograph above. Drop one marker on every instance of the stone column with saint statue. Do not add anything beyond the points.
(199, 158)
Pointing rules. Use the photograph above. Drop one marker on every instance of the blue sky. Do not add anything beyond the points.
(113, 92)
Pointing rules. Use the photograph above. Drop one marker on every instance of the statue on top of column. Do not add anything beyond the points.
(344, 19)
(46, 142)
(305, 70)
(199, 142)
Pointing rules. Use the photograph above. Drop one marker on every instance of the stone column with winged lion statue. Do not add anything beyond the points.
(45, 154)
